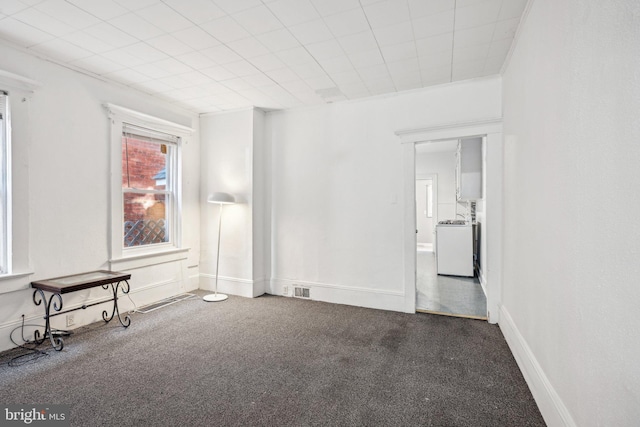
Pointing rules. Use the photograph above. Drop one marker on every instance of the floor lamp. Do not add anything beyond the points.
(220, 199)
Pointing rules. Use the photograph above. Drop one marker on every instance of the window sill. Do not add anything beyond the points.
(14, 282)
(147, 259)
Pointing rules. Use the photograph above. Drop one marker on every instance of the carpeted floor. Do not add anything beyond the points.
(275, 361)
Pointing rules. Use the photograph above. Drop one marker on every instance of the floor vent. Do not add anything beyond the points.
(165, 302)
(300, 292)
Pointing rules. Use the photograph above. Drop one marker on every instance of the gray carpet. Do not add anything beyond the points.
(275, 361)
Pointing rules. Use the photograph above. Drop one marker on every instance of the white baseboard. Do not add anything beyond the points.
(233, 285)
(341, 294)
(553, 410)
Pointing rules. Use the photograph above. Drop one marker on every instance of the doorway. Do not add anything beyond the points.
(451, 295)
(491, 276)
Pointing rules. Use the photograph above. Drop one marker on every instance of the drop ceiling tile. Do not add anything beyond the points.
(473, 36)
(237, 84)
(282, 75)
(257, 20)
(480, 13)
(97, 64)
(380, 86)
(295, 56)
(22, 34)
(358, 42)
(145, 52)
(61, 50)
(336, 64)
(248, 48)
(493, 65)
(404, 69)
(195, 78)
(355, 90)
(366, 58)
(87, 41)
(164, 17)
(308, 70)
(225, 29)
(267, 62)
(153, 86)
(176, 82)
(311, 32)
(436, 74)
(506, 29)
(394, 34)
(169, 45)
(292, 12)
(431, 45)
(173, 66)
(420, 8)
(102, 9)
(512, 9)
(137, 4)
(196, 11)
(326, 49)
(196, 60)
(136, 27)
(346, 23)
(346, 78)
(433, 25)
(127, 76)
(387, 12)
(233, 6)
(218, 73)
(196, 38)
(241, 68)
(110, 34)
(123, 58)
(221, 54)
(500, 47)
(67, 13)
(375, 72)
(471, 53)
(43, 21)
(258, 80)
(279, 40)
(441, 59)
(399, 52)
(297, 87)
(9, 7)
(331, 7)
(153, 71)
(408, 84)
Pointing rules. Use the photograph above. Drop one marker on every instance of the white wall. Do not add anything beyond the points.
(337, 189)
(232, 162)
(571, 247)
(61, 191)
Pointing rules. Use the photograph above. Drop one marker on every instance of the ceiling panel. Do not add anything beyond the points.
(212, 55)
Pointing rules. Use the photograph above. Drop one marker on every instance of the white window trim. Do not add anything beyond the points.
(6, 209)
(141, 256)
(19, 88)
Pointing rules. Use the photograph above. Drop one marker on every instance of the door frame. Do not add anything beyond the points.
(492, 174)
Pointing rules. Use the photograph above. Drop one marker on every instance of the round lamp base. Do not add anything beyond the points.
(215, 297)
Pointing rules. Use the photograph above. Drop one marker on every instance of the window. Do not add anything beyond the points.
(5, 176)
(148, 185)
(145, 187)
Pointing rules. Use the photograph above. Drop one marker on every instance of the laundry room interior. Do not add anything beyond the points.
(449, 217)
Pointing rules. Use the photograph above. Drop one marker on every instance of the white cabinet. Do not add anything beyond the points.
(469, 169)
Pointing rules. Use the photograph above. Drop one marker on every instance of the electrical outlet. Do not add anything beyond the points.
(70, 320)
(285, 290)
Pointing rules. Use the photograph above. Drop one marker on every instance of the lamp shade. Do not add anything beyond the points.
(221, 199)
